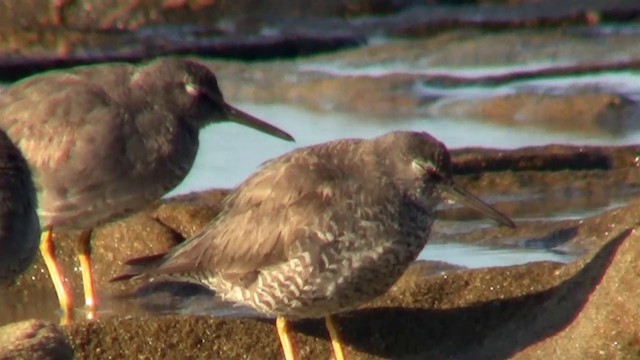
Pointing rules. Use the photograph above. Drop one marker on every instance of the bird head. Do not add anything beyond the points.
(423, 169)
(192, 89)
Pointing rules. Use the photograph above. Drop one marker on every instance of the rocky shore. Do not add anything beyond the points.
(539, 310)
(527, 65)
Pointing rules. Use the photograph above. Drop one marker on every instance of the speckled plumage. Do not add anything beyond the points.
(321, 229)
(19, 226)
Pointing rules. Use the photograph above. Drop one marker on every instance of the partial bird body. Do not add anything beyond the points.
(106, 140)
(319, 230)
(101, 150)
(19, 226)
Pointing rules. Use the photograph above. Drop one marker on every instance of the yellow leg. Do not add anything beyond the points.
(48, 251)
(84, 255)
(285, 339)
(335, 338)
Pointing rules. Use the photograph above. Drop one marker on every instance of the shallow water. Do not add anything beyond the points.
(474, 256)
(229, 153)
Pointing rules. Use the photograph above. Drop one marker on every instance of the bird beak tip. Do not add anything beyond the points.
(461, 196)
(238, 116)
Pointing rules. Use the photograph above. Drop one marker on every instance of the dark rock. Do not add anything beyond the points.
(34, 340)
(36, 35)
(590, 113)
(546, 158)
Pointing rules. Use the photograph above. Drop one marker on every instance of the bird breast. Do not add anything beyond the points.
(340, 270)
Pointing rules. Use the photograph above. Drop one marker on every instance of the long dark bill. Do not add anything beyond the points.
(238, 116)
(462, 196)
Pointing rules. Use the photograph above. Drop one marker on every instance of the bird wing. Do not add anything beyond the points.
(48, 115)
(290, 205)
(64, 122)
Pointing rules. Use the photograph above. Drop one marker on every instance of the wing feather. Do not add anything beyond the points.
(283, 207)
(68, 121)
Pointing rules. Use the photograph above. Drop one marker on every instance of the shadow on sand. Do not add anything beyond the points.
(495, 329)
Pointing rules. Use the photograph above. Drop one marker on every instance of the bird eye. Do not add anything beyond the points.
(191, 89)
(426, 167)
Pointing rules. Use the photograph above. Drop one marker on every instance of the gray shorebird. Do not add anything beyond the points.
(320, 230)
(19, 226)
(106, 140)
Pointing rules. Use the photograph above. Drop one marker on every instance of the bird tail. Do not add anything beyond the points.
(140, 266)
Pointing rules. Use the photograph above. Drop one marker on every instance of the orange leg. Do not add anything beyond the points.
(335, 338)
(285, 338)
(84, 255)
(48, 251)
